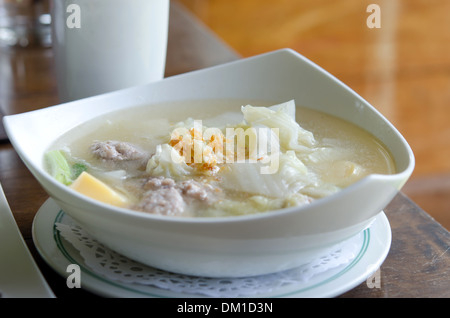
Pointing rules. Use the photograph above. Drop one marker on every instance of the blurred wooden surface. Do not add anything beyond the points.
(401, 68)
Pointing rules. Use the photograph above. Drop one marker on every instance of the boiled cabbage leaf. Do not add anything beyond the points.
(167, 162)
(255, 204)
(282, 117)
(290, 176)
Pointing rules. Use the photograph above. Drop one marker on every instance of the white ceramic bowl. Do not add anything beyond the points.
(233, 246)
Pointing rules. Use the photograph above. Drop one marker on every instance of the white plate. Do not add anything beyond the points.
(58, 253)
(20, 276)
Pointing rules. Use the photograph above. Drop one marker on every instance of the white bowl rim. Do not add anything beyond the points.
(107, 208)
(138, 215)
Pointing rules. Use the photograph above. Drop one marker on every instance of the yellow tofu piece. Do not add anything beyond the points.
(96, 189)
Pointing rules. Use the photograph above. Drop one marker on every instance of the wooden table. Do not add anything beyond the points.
(419, 259)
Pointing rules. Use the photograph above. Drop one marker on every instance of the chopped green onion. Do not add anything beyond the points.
(77, 169)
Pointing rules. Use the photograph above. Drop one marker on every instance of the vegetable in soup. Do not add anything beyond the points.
(215, 158)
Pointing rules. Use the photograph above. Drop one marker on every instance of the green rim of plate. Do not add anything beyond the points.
(66, 254)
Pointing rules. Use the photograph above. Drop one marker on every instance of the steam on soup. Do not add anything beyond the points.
(215, 158)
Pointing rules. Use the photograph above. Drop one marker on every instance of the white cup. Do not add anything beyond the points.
(106, 45)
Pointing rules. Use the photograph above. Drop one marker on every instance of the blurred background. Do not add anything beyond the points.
(401, 68)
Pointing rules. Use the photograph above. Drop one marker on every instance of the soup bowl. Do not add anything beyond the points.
(234, 246)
